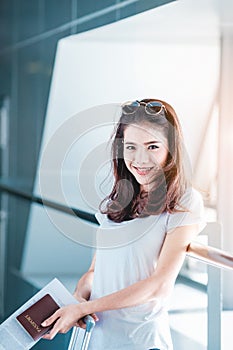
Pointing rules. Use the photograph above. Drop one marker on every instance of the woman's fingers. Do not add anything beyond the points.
(56, 329)
(81, 324)
(95, 317)
(61, 326)
(51, 319)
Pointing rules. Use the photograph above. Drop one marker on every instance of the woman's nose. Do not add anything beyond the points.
(141, 156)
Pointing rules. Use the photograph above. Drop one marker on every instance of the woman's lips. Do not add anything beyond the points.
(143, 170)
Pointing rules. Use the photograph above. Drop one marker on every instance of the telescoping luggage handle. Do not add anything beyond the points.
(90, 324)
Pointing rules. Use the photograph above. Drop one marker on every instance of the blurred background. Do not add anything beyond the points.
(65, 66)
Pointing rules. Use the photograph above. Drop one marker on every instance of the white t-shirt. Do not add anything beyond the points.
(126, 253)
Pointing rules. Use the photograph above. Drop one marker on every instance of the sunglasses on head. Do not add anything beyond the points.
(151, 107)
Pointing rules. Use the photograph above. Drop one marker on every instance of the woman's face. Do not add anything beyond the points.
(145, 152)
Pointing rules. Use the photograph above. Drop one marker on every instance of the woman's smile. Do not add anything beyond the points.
(143, 171)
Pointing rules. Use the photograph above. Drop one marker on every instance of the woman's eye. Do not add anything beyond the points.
(130, 148)
(153, 147)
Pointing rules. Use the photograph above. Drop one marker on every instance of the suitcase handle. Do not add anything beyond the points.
(90, 324)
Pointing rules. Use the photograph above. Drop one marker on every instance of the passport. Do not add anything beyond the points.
(32, 317)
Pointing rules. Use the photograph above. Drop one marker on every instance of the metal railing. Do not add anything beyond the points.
(210, 255)
(216, 260)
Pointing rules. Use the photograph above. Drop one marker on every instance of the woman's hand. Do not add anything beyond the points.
(80, 323)
(65, 318)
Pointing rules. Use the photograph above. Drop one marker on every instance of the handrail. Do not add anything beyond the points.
(210, 255)
(4, 187)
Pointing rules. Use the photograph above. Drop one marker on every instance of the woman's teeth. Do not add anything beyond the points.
(143, 171)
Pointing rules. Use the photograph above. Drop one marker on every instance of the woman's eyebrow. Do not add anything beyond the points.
(145, 143)
(129, 143)
(150, 142)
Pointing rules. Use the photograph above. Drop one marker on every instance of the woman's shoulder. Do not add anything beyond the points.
(189, 211)
(190, 199)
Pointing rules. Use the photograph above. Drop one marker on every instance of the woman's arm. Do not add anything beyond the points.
(83, 290)
(84, 285)
(156, 287)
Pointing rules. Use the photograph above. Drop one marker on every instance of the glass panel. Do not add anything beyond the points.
(6, 21)
(27, 19)
(49, 253)
(86, 7)
(55, 14)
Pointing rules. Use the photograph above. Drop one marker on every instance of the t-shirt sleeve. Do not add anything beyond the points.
(191, 201)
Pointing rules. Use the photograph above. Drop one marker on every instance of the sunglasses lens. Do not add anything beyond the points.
(154, 107)
(130, 107)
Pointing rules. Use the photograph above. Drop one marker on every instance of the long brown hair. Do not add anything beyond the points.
(126, 201)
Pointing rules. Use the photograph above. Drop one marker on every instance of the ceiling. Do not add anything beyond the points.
(184, 20)
(181, 21)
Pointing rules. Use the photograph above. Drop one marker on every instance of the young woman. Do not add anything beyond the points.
(146, 225)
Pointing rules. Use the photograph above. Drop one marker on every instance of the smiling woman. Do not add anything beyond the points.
(153, 206)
